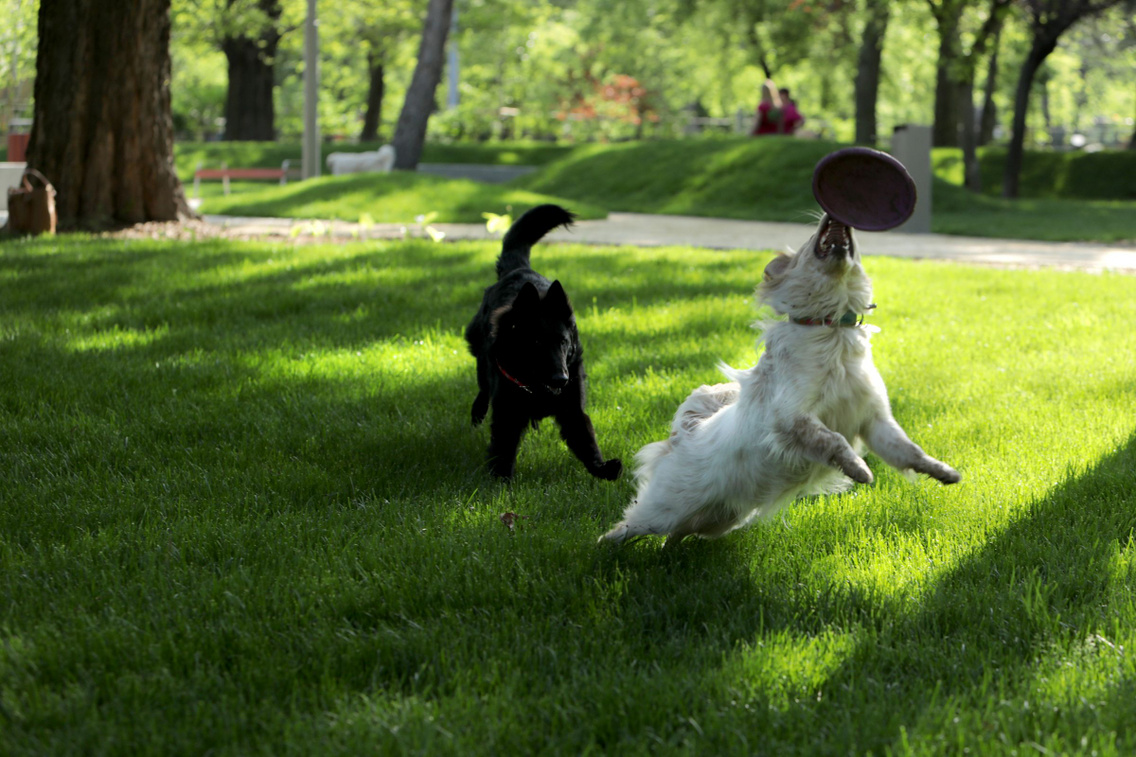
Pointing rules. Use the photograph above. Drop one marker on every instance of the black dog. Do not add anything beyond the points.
(529, 360)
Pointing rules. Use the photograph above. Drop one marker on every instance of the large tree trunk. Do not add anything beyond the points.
(374, 115)
(249, 110)
(410, 132)
(103, 130)
(1013, 168)
(868, 72)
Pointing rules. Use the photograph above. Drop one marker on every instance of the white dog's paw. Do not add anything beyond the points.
(857, 470)
(624, 532)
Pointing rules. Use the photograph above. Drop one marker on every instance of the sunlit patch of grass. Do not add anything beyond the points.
(397, 197)
(244, 510)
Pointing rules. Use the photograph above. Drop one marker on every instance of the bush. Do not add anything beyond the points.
(1105, 175)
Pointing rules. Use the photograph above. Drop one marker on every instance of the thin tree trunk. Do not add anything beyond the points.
(868, 73)
(989, 110)
(1013, 168)
(103, 130)
(410, 132)
(973, 175)
(944, 132)
(249, 107)
(374, 115)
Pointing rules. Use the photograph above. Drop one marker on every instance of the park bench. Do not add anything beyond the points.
(224, 173)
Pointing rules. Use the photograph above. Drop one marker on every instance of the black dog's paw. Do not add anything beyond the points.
(480, 408)
(610, 470)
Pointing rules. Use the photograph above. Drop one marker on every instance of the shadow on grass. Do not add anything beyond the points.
(974, 643)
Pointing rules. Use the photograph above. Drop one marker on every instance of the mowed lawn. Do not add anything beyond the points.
(244, 513)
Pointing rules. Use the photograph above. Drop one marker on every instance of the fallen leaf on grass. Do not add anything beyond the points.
(510, 520)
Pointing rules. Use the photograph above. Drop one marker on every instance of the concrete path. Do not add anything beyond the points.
(655, 230)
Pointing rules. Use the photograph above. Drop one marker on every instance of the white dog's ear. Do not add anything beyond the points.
(776, 267)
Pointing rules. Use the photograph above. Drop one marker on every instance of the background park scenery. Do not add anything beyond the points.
(243, 509)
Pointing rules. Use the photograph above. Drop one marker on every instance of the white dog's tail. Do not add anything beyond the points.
(647, 459)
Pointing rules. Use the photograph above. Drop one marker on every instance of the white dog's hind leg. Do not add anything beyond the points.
(887, 439)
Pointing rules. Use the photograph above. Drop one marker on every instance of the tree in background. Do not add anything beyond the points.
(102, 130)
(367, 35)
(868, 71)
(17, 58)
(251, 33)
(967, 67)
(1048, 20)
(410, 132)
(989, 116)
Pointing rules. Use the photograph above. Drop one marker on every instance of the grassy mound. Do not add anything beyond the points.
(397, 197)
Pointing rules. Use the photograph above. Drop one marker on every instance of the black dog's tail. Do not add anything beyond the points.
(526, 232)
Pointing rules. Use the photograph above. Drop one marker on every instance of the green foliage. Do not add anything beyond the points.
(17, 60)
(244, 512)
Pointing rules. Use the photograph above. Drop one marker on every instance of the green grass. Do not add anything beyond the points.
(771, 180)
(1104, 175)
(754, 179)
(271, 154)
(397, 197)
(243, 512)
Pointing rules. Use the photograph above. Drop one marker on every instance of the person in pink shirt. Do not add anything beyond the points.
(776, 113)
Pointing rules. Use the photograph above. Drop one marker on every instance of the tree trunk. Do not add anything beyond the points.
(868, 73)
(944, 133)
(374, 115)
(1040, 49)
(249, 110)
(103, 130)
(989, 111)
(410, 132)
(972, 175)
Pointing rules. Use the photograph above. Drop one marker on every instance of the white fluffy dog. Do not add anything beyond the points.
(379, 161)
(787, 426)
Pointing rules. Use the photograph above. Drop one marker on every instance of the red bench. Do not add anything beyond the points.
(224, 173)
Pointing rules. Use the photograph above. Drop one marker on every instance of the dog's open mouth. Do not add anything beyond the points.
(835, 240)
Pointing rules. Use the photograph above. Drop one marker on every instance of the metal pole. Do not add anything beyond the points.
(310, 151)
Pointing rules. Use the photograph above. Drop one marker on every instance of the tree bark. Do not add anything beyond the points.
(868, 72)
(1039, 50)
(250, 113)
(374, 115)
(989, 110)
(410, 132)
(103, 130)
(972, 178)
(944, 132)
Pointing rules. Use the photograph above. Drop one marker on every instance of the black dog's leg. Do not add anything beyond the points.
(577, 432)
(506, 431)
(481, 402)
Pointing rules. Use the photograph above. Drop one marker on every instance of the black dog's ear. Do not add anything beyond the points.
(556, 301)
(528, 299)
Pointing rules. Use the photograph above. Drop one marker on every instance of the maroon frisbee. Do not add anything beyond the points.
(864, 188)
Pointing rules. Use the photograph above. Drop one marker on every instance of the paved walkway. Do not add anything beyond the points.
(655, 230)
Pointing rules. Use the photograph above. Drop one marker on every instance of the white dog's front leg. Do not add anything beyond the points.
(820, 444)
(885, 437)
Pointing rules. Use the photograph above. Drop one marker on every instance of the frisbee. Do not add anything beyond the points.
(864, 188)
